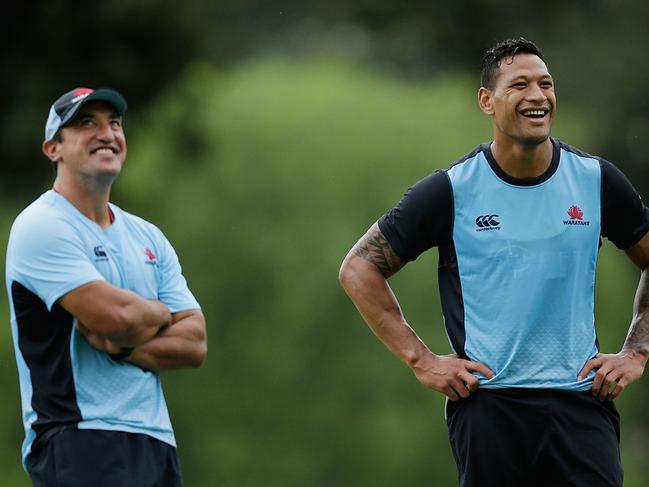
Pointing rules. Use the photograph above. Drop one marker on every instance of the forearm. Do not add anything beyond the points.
(637, 339)
(368, 289)
(116, 314)
(363, 275)
(141, 320)
(179, 345)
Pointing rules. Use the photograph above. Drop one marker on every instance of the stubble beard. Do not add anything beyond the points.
(99, 182)
(531, 140)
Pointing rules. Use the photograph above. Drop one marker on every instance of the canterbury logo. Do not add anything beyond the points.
(100, 253)
(484, 221)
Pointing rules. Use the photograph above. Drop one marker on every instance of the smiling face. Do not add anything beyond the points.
(522, 101)
(92, 146)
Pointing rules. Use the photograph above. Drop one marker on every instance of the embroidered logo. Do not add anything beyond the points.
(487, 222)
(80, 94)
(100, 253)
(151, 258)
(576, 217)
(575, 213)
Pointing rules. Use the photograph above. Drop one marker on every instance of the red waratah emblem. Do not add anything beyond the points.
(82, 91)
(149, 253)
(575, 213)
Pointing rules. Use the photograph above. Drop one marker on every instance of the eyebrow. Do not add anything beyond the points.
(526, 77)
(89, 113)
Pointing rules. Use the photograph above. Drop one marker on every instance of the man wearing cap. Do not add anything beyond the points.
(98, 307)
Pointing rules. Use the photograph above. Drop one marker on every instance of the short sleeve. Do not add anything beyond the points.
(47, 256)
(422, 219)
(173, 289)
(625, 218)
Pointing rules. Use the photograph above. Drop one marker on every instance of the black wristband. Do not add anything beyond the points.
(123, 353)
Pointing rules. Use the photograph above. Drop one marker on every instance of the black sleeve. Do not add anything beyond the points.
(625, 219)
(422, 219)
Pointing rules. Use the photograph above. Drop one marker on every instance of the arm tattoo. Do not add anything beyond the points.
(638, 336)
(374, 248)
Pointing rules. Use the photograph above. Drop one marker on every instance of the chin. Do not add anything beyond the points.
(109, 172)
(533, 139)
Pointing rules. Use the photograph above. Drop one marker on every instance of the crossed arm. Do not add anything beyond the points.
(363, 275)
(616, 371)
(112, 318)
(179, 345)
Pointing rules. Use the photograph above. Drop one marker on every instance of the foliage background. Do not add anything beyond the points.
(264, 138)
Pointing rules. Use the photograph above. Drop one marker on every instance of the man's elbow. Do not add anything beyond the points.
(352, 272)
(199, 355)
(346, 272)
(200, 348)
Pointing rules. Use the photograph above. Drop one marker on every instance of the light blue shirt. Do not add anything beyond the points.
(52, 250)
(527, 270)
(517, 259)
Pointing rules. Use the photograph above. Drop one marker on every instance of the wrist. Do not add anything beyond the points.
(640, 354)
(165, 315)
(123, 354)
(420, 359)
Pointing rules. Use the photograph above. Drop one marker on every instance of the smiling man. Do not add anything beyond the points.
(98, 307)
(518, 224)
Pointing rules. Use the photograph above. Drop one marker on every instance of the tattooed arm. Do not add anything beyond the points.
(616, 371)
(374, 248)
(363, 275)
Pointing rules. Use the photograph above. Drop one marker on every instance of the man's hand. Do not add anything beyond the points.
(179, 345)
(614, 369)
(363, 275)
(449, 374)
(100, 343)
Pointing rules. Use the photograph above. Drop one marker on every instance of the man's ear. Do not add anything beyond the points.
(51, 150)
(485, 100)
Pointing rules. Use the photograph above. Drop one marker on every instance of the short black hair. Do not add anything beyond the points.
(507, 48)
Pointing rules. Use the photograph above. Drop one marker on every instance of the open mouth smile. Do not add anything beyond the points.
(535, 113)
(104, 150)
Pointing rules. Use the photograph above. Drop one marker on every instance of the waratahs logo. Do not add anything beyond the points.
(575, 213)
(576, 217)
(80, 94)
(151, 258)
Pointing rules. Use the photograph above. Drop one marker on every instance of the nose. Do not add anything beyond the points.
(105, 132)
(535, 92)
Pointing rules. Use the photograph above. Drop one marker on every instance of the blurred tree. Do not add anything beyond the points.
(264, 172)
(263, 177)
(292, 162)
(141, 47)
(51, 47)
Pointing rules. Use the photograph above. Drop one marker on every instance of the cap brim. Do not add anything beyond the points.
(102, 94)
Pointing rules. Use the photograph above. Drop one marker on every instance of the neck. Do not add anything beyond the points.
(523, 161)
(92, 204)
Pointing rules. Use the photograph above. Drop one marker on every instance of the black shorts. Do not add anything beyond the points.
(94, 458)
(522, 437)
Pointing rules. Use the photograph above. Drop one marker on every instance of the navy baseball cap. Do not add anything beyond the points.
(66, 107)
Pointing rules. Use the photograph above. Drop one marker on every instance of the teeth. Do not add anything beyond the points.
(534, 112)
(104, 151)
